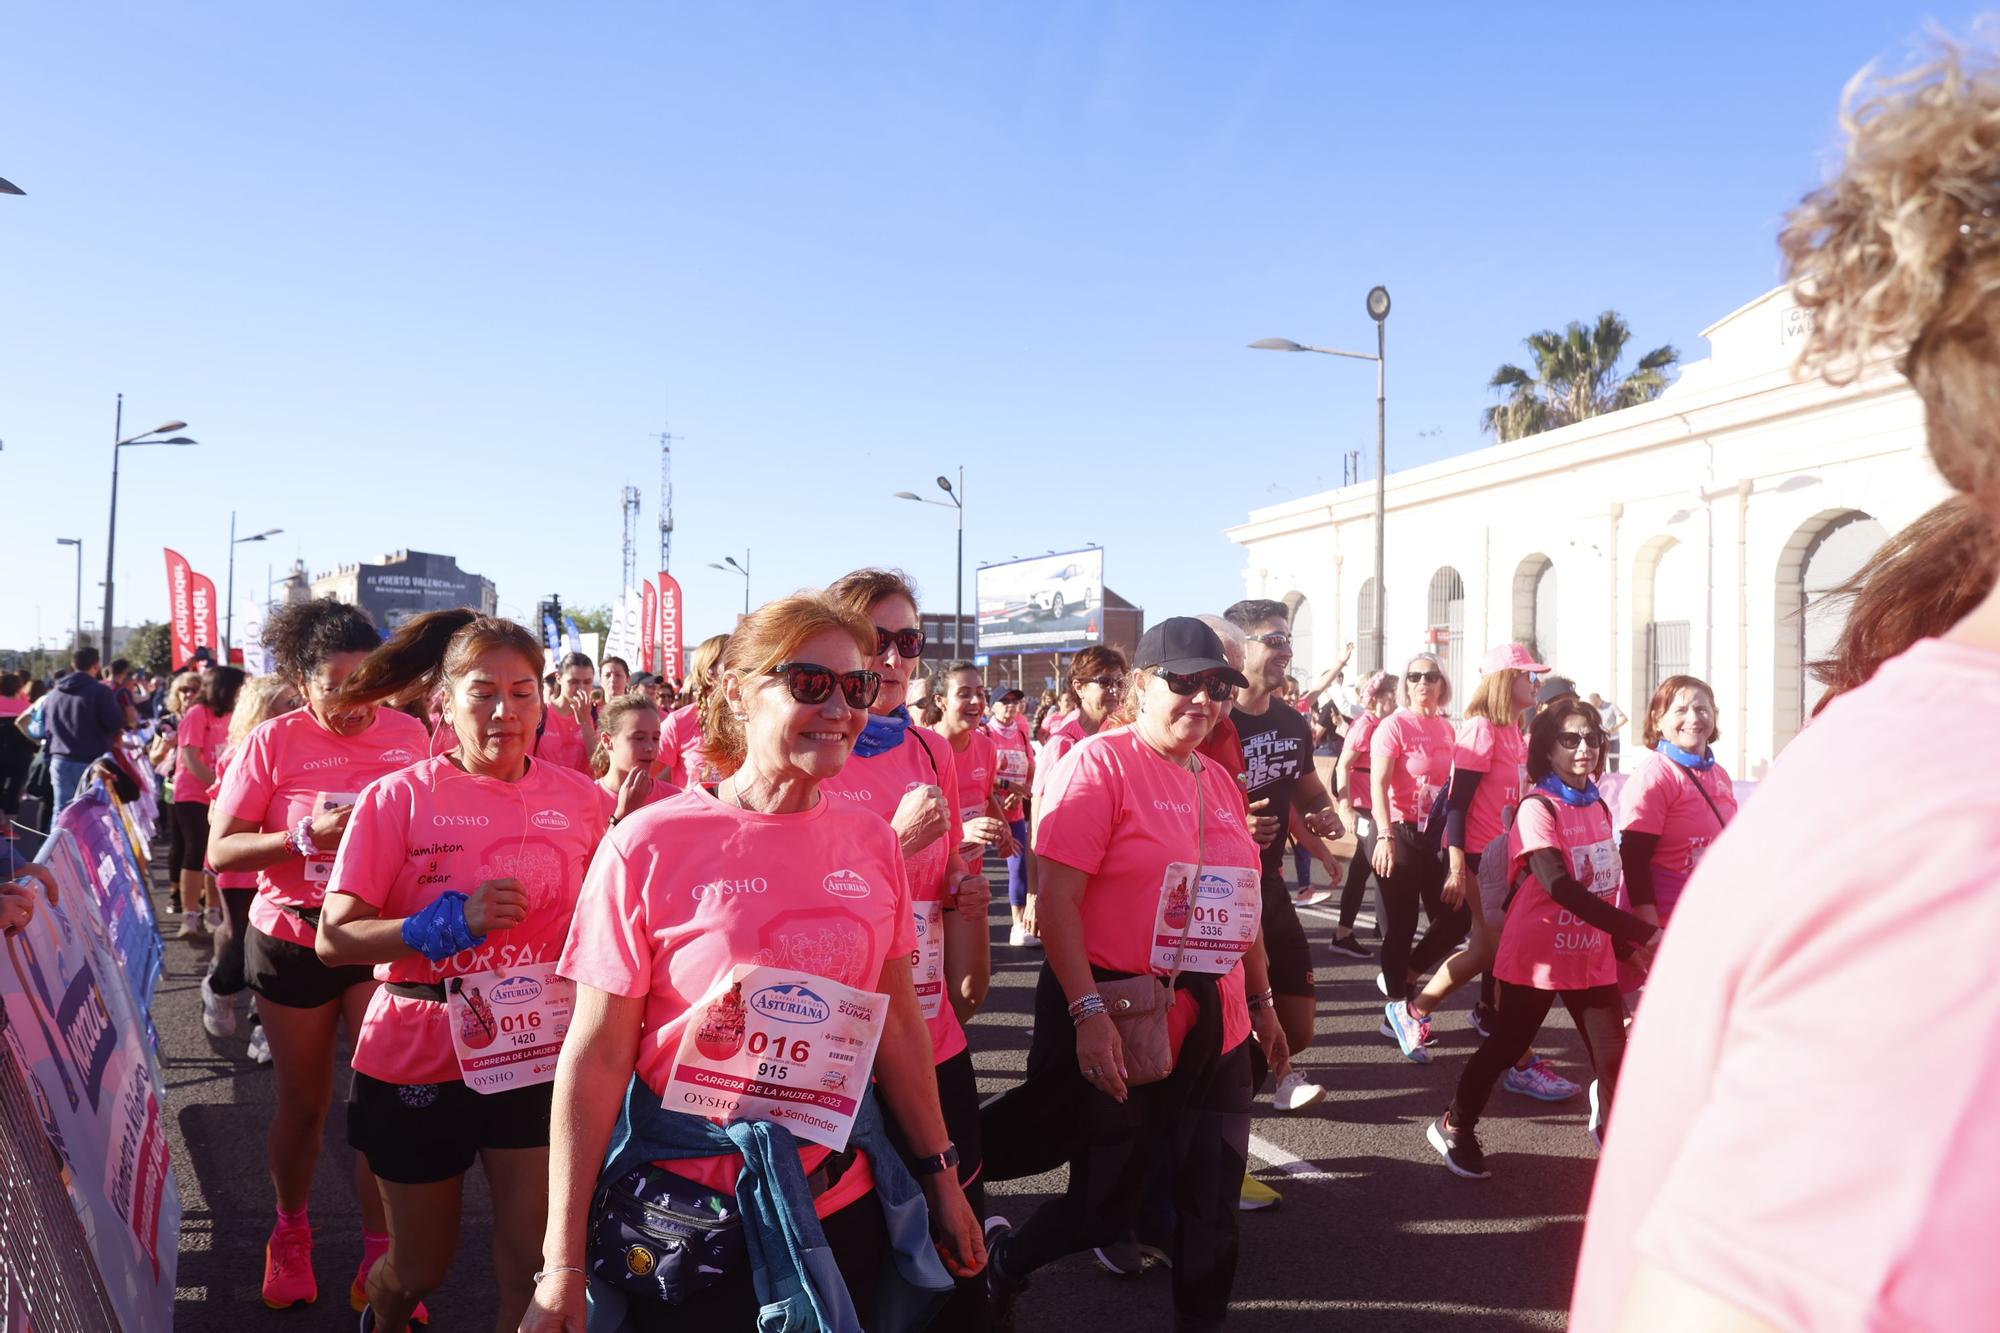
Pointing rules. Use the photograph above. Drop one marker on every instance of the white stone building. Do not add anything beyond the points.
(1684, 535)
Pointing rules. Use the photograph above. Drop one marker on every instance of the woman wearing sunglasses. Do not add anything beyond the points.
(907, 775)
(1564, 932)
(1409, 758)
(1148, 870)
(770, 872)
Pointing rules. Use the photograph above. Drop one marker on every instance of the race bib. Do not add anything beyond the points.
(319, 869)
(1596, 867)
(1013, 765)
(1696, 847)
(1219, 917)
(927, 964)
(782, 1046)
(507, 1027)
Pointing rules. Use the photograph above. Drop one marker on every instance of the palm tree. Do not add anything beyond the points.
(1575, 376)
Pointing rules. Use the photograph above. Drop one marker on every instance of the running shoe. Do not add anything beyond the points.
(1481, 1018)
(218, 1012)
(1411, 1032)
(260, 1046)
(211, 917)
(288, 1268)
(1459, 1148)
(191, 927)
(1596, 1118)
(357, 1297)
(1311, 896)
(1430, 1037)
(1121, 1258)
(1155, 1255)
(1021, 939)
(1257, 1196)
(1003, 1293)
(1350, 946)
(1294, 1093)
(1539, 1079)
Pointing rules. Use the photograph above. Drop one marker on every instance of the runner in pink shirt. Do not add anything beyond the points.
(203, 732)
(1564, 931)
(625, 757)
(976, 761)
(680, 737)
(281, 813)
(1678, 799)
(456, 881)
(1014, 760)
(1353, 793)
(1097, 683)
(770, 872)
(1410, 755)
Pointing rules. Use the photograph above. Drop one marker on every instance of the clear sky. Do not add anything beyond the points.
(432, 275)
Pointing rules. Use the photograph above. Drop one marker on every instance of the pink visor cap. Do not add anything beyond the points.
(1510, 655)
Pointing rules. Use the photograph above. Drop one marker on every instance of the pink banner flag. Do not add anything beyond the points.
(180, 603)
(649, 626)
(670, 627)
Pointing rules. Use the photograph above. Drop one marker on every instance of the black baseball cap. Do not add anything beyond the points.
(1183, 645)
(203, 655)
(1554, 688)
(1010, 697)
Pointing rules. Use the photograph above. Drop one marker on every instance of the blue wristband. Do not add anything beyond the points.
(440, 930)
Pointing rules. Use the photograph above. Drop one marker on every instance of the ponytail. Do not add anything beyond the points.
(424, 656)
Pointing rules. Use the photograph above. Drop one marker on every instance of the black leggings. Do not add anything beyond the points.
(1358, 870)
(225, 969)
(1418, 881)
(1599, 1014)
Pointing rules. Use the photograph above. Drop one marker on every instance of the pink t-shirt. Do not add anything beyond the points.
(680, 739)
(1013, 764)
(1060, 742)
(689, 887)
(1359, 794)
(1484, 746)
(205, 734)
(1746, 1156)
(12, 706)
(291, 766)
(1542, 944)
(1415, 752)
(977, 769)
(1660, 797)
(608, 797)
(563, 742)
(228, 879)
(877, 784)
(1122, 814)
(431, 827)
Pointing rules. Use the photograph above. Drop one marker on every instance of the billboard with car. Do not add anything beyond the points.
(1047, 603)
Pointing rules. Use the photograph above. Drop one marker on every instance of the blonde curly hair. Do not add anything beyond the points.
(1900, 252)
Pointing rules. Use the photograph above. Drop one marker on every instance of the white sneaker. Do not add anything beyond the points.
(212, 918)
(218, 1012)
(1294, 1093)
(260, 1046)
(192, 927)
(1021, 939)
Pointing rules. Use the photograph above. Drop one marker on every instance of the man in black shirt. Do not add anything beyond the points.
(1280, 779)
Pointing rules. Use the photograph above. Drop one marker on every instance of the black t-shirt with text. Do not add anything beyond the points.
(1277, 747)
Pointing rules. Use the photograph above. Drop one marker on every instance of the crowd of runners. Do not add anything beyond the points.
(692, 978)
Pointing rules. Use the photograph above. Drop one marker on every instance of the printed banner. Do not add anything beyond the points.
(180, 602)
(100, 856)
(74, 1033)
(649, 625)
(670, 627)
(205, 612)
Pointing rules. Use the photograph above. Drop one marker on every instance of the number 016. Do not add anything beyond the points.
(797, 1050)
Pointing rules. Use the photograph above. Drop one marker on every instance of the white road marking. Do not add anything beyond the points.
(1298, 1168)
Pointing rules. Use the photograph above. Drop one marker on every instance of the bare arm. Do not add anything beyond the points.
(968, 942)
(353, 931)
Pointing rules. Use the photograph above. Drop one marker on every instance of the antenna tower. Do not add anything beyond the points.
(629, 496)
(666, 499)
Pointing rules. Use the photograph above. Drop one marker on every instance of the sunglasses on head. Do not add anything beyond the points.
(811, 683)
(1576, 740)
(1213, 683)
(1426, 677)
(909, 642)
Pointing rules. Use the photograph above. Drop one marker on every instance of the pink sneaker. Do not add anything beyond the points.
(288, 1268)
(357, 1296)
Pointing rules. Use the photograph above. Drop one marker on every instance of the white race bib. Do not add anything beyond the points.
(927, 964)
(507, 1027)
(1012, 764)
(319, 869)
(1219, 917)
(1596, 867)
(782, 1046)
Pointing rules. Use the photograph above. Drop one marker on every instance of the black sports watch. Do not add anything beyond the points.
(936, 1162)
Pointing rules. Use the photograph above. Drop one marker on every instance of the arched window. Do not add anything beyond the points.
(1535, 606)
(1823, 554)
(1367, 654)
(1446, 622)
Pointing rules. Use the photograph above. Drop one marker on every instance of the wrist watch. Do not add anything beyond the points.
(936, 1162)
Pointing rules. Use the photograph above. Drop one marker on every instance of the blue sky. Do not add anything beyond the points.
(431, 276)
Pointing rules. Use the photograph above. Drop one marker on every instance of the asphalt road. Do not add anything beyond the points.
(1373, 1234)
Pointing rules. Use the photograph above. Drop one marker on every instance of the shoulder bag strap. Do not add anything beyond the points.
(1520, 877)
(1713, 808)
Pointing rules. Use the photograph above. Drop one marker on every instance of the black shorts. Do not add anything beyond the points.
(1285, 941)
(188, 849)
(421, 1133)
(292, 974)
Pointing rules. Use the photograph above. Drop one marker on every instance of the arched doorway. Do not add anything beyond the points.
(1535, 607)
(1446, 623)
(1305, 665)
(1666, 599)
(1824, 553)
(1367, 653)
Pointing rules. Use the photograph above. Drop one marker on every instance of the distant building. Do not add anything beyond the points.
(407, 584)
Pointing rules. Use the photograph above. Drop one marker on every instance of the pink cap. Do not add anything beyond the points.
(1510, 655)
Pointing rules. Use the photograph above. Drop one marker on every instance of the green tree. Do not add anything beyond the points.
(1575, 376)
(592, 619)
(150, 646)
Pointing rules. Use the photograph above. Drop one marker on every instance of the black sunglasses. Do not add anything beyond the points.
(1277, 638)
(1213, 683)
(1426, 677)
(1576, 740)
(1110, 684)
(811, 683)
(909, 642)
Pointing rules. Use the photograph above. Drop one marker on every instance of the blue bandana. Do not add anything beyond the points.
(1562, 791)
(884, 732)
(1705, 760)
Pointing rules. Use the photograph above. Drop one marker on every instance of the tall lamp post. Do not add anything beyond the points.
(728, 565)
(229, 610)
(111, 536)
(77, 542)
(1378, 310)
(958, 503)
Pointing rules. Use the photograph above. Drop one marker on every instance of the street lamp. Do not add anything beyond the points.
(958, 503)
(729, 566)
(111, 536)
(229, 609)
(1378, 310)
(77, 542)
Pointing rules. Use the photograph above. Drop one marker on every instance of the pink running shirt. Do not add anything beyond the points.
(1415, 752)
(1484, 746)
(563, 742)
(689, 887)
(1060, 742)
(1542, 944)
(291, 766)
(1013, 764)
(1660, 797)
(205, 734)
(227, 879)
(977, 768)
(680, 744)
(877, 784)
(1121, 813)
(431, 827)
(1359, 794)
(1756, 1153)
(608, 798)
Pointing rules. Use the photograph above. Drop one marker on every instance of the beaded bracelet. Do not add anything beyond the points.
(1087, 1006)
